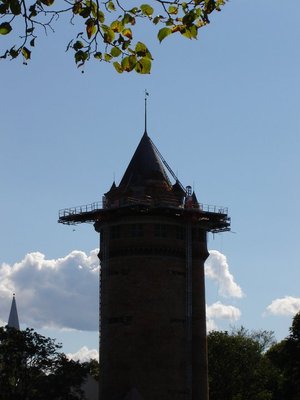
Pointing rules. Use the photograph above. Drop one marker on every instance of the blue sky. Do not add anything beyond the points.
(223, 111)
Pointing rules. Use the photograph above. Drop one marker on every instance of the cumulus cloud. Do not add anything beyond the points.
(220, 311)
(287, 305)
(61, 293)
(217, 269)
(211, 325)
(84, 355)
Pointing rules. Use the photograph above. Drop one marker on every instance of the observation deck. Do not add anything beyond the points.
(215, 218)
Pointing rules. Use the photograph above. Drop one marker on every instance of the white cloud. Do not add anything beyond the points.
(217, 269)
(61, 293)
(84, 355)
(287, 305)
(219, 310)
(211, 325)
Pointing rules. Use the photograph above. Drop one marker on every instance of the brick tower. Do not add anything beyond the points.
(152, 302)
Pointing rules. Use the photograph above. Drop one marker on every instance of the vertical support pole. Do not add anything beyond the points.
(189, 311)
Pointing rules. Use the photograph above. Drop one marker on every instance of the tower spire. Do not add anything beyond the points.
(13, 320)
(146, 95)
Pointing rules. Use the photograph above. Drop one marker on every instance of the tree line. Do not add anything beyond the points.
(243, 365)
(32, 367)
(250, 365)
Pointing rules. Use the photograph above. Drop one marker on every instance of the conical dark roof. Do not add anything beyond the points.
(13, 320)
(144, 165)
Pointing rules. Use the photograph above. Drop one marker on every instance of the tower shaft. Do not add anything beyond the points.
(153, 331)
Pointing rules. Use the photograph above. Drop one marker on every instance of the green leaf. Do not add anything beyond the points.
(156, 19)
(128, 19)
(15, 7)
(147, 10)
(128, 63)
(77, 8)
(189, 18)
(163, 33)
(118, 67)
(107, 57)
(117, 26)
(142, 51)
(111, 6)
(134, 10)
(141, 48)
(127, 32)
(5, 28)
(143, 66)
(78, 45)
(190, 32)
(173, 10)
(13, 53)
(91, 27)
(210, 5)
(109, 34)
(98, 55)
(80, 56)
(4, 8)
(125, 44)
(85, 12)
(26, 53)
(101, 16)
(184, 7)
(115, 52)
(97, 13)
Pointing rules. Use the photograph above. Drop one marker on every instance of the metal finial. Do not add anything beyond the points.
(146, 95)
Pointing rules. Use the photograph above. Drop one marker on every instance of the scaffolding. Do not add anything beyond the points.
(214, 218)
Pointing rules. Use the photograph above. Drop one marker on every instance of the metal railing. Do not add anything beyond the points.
(99, 205)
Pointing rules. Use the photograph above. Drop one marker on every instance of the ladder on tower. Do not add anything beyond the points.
(171, 172)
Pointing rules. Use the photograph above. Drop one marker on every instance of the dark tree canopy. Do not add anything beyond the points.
(285, 356)
(238, 368)
(106, 30)
(32, 368)
(249, 365)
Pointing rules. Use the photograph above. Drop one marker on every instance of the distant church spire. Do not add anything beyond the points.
(13, 320)
(146, 95)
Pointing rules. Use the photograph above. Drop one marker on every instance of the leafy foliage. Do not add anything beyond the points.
(93, 368)
(106, 29)
(238, 368)
(285, 356)
(31, 367)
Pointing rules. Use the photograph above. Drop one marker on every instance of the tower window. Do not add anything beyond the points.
(137, 230)
(160, 230)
